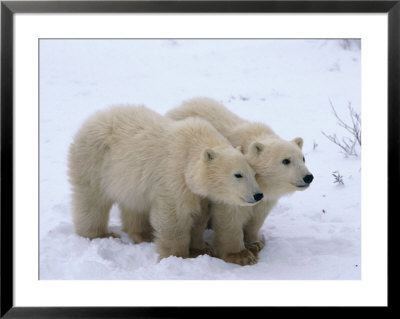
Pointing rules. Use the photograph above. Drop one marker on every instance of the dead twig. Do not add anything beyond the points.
(347, 144)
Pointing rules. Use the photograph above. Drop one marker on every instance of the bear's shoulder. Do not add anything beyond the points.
(195, 128)
(254, 130)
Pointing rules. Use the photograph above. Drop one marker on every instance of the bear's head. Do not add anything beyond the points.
(280, 166)
(223, 174)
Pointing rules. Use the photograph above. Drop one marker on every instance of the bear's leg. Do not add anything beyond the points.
(228, 236)
(200, 221)
(136, 225)
(172, 231)
(90, 214)
(253, 241)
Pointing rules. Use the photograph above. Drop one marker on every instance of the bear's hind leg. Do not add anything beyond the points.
(90, 214)
(137, 225)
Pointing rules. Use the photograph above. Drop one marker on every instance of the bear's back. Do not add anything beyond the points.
(128, 121)
(212, 111)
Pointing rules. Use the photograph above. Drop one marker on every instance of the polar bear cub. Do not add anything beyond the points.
(157, 170)
(280, 169)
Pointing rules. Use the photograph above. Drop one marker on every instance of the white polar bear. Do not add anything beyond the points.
(157, 170)
(280, 169)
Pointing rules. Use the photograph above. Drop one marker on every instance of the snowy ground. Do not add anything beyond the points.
(287, 84)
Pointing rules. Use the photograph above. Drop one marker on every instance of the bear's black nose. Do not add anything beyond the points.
(308, 179)
(258, 196)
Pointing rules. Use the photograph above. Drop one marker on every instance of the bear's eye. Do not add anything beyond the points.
(304, 159)
(286, 161)
(238, 175)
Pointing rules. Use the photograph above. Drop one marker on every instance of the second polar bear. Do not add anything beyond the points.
(280, 169)
(151, 165)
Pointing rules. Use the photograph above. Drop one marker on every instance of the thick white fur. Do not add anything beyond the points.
(153, 166)
(236, 229)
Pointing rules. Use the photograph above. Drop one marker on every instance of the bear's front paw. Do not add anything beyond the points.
(207, 250)
(107, 235)
(142, 237)
(255, 247)
(243, 258)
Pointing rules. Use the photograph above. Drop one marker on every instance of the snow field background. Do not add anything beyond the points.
(287, 84)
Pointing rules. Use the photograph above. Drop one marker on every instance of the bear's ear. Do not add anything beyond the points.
(239, 148)
(298, 141)
(256, 148)
(209, 155)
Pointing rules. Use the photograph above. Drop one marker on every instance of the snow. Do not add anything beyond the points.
(288, 84)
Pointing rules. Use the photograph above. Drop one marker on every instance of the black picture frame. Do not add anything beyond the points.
(9, 8)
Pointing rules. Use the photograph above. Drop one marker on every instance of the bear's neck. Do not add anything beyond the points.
(246, 134)
(190, 141)
(197, 136)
